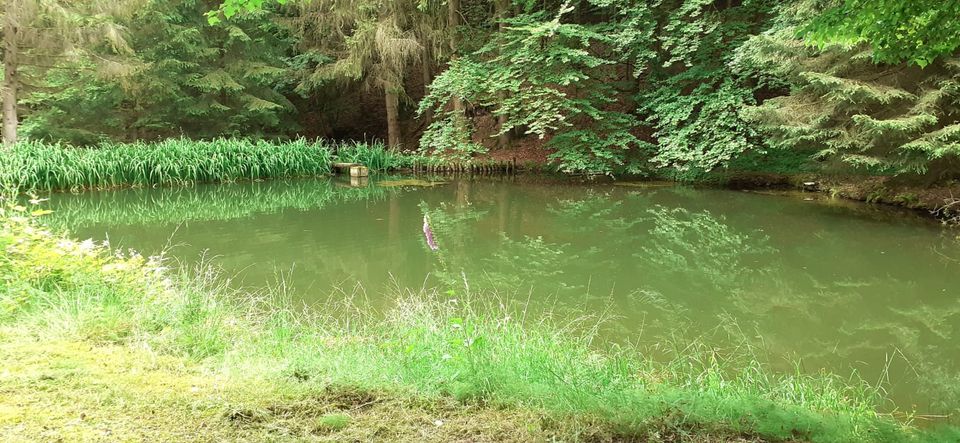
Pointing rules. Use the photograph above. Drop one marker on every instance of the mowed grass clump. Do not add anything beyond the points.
(429, 347)
(35, 165)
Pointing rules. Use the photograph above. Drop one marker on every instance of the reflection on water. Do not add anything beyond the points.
(835, 285)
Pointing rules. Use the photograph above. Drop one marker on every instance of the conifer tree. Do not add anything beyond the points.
(191, 78)
(39, 35)
(375, 42)
(850, 110)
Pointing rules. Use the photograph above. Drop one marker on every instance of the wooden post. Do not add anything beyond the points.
(359, 171)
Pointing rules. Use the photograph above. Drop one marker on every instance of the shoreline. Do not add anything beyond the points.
(931, 201)
(193, 345)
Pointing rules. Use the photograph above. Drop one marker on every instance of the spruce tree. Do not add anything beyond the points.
(192, 79)
(40, 35)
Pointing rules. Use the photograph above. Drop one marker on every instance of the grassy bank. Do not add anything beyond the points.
(42, 166)
(130, 347)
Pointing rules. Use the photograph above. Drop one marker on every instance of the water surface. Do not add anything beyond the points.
(835, 285)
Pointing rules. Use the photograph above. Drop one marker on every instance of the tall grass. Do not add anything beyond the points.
(35, 165)
(430, 345)
(375, 155)
(40, 166)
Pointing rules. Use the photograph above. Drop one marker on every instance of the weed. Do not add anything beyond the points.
(333, 422)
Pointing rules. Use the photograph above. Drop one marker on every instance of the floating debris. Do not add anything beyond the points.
(650, 184)
(409, 182)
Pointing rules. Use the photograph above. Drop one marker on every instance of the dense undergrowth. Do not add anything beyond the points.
(34, 165)
(431, 346)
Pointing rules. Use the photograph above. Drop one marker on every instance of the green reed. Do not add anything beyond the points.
(35, 165)
(374, 155)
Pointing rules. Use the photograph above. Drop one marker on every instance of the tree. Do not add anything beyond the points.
(374, 42)
(40, 35)
(691, 98)
(850, 111)
(502, 13)
(210, 80)
(539, 76)
(190, 78)
(916, 31)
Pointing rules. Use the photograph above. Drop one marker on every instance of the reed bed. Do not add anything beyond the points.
(41, 166)
(374, 155)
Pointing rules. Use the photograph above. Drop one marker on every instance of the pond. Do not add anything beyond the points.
(809, 282)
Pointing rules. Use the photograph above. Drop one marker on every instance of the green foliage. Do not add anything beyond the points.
(702, 129)
(852, 112)
(552, 78)
(450, 138)
(188, 78)
(374, 155)
(40, 166)
(541, 75)
(675, 87)
(230, 8)
(695, 112)
(917, 31)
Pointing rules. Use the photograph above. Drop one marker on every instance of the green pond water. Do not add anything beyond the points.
(833, 285)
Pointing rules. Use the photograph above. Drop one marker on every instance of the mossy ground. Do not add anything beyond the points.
(75, 391)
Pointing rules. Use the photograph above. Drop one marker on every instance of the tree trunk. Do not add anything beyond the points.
(11, 80)
(427, 73)
(503, 140)
(453, 22)
(392, 102)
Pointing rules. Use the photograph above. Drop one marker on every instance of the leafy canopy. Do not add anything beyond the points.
(914, 31)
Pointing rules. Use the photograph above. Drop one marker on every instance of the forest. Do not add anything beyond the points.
(467, 220)
(671, 88)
